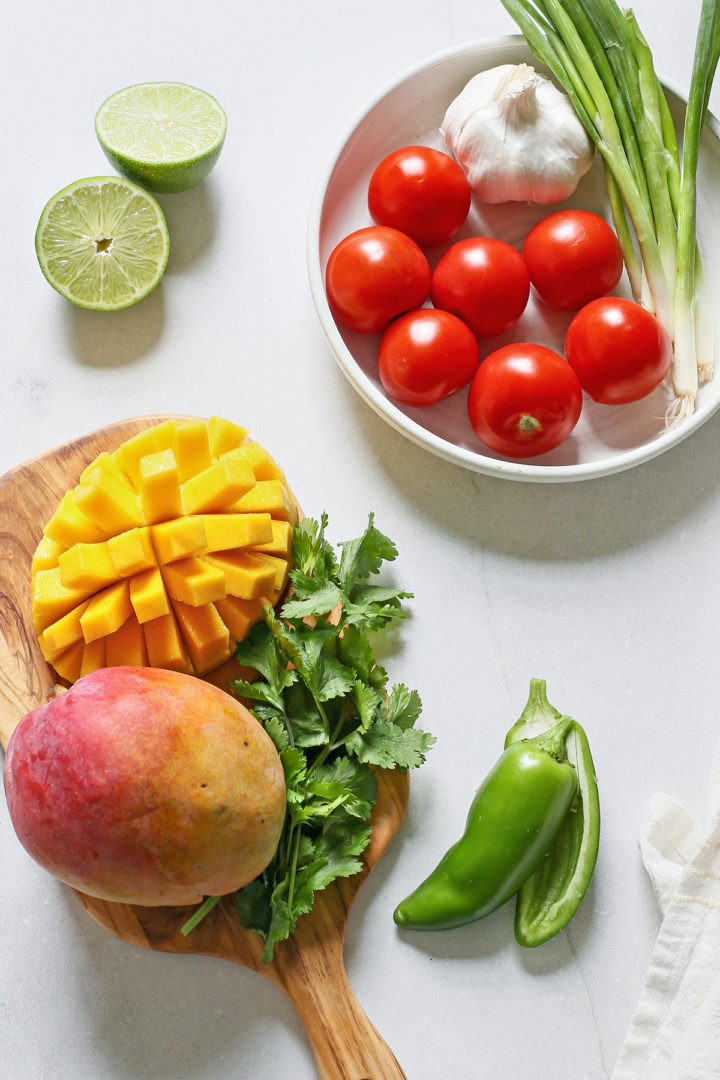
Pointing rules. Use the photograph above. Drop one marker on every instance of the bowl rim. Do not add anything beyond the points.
(476, 461)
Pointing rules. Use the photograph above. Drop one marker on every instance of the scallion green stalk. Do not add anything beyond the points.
(600, 58)
(580, 67)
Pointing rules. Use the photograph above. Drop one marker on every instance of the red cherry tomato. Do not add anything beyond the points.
(420, 191)
(618, 349)
(524, 400)
(425, 356)
(373, 275)
(573, 257)
(484, 281)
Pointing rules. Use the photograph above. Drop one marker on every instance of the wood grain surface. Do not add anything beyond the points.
(309, 967)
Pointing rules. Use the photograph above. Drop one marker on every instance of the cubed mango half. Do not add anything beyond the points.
(164, 552)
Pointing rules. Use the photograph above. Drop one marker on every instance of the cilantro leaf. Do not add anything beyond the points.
(356, 652)
(312, 554)
(323, 700)
(364, 556)
(309, 726)
(254, 906)
(310, 597)
(260, 651)
(404, 706)
(367, 700)
(295, 769)
(277, 732)
(388, 745)
(337, 851)
(359, 781)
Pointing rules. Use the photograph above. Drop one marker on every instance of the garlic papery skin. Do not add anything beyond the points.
(517, 137)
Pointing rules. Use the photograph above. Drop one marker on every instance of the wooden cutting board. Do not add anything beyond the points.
(309, 967)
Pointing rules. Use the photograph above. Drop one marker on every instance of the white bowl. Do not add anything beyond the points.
(607, 438)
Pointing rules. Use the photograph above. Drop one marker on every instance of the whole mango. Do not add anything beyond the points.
(145, 786)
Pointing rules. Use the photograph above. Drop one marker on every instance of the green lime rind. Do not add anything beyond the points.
(103, 243)
(164, 135)
(156, 178)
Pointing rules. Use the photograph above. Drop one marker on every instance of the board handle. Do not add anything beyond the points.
(344, 1042)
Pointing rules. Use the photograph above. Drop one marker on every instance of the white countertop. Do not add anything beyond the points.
(609, 589)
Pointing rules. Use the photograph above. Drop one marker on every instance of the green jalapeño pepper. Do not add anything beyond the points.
(549, 898)
(511, 825)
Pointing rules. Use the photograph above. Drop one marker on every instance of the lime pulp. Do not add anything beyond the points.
(102, 242)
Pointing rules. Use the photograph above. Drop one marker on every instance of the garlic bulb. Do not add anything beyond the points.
(517, 137)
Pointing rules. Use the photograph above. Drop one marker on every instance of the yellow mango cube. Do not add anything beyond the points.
(245, 575)
(223, 435)
(268, 496)
(106, 611)
(226, 531)
(280, 542)
(63, 633)
(112, 505)
(69, 524)
(280, 568)
(164, 645)
(194, 581)
(46, 555)
(126, 646)
(192, 448)
(206, 636)
(51, 599)
(93, 656)
(69, 663)
(87, 566)
(129, 455)
(148, 595)
(239, 615)
(217, 488)
(131, 551)
(178, 538)
(160, 487)
(103, 464)
(260, 461)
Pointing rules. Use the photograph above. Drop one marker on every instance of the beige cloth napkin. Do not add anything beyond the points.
(675, 1032)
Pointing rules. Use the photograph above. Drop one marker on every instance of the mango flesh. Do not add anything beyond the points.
(186, 512)
(145, 786)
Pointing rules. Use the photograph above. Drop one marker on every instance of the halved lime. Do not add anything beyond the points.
(103, 242)
(165, 135)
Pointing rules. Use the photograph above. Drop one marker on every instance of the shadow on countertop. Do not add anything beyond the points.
(167, 1016)
(108, 339)
(546, 521)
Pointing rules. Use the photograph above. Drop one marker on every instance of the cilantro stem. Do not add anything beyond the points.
(288, 727)
(199, 914)
(333, 742)
(293, 867)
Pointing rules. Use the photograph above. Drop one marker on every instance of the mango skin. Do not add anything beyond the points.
(145, 786)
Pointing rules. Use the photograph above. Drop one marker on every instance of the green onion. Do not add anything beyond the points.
(602, 61)
(689, 325)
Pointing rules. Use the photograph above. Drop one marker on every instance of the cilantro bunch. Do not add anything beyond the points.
(323, 699)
